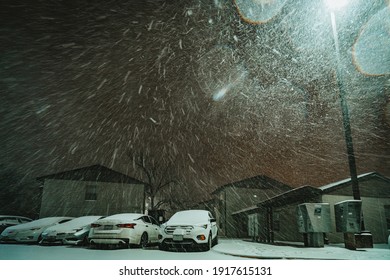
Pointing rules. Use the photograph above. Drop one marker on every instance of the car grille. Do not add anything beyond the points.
(171, 229)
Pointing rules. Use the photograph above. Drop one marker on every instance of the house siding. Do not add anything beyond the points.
(373, 214)
(67, 198)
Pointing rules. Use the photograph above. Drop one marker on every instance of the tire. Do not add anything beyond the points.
(143, 243)
(207, 247)
(215, 241)
(162, 247)
(85, 242)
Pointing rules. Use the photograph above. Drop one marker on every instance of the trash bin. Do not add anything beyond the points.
(314, 221)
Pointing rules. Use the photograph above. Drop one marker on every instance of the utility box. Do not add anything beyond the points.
(314, 221)
(348, 216)
(314, 217)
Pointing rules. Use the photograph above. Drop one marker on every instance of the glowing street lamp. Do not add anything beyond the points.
(335, 5)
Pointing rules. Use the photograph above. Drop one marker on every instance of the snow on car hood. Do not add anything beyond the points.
(75, 223)
(189, 217)
(38, 223)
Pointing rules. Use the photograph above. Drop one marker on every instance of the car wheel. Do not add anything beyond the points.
(85, 242)
(215, 242)
(207, 247)
(144, 240)
(162, 247)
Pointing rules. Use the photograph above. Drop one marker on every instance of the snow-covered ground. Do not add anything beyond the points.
(329, 252)
(226, 249)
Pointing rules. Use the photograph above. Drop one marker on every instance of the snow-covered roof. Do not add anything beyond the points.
(346, 181)
(94, 173)
(124, 216)
(341, 182)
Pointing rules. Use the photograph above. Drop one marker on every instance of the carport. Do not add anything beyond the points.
(266, 208)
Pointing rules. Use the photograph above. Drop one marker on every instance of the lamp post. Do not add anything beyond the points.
(334, 5)
(351, 240)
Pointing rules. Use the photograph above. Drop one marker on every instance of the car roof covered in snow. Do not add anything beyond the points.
(190, 216)
(75, 223)
(124, 216)
(40, 223)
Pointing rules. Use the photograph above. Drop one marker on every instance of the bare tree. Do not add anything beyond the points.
(157, 178)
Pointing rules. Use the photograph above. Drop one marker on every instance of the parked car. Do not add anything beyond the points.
(190, 228)
(125, 230)
(30, 232)
(8, 220)
(73, 232)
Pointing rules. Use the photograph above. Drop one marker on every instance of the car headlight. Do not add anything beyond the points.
(204, 226)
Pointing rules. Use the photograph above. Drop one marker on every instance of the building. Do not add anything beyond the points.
(276, 217)
(92, 190)
(237, 195)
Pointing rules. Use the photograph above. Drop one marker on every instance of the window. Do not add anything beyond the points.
(145, 219)
(153, 221)
(91, 193)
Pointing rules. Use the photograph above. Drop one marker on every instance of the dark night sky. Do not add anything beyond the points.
(188, 83)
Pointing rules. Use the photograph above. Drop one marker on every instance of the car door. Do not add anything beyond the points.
(150, 229)
(155, 228)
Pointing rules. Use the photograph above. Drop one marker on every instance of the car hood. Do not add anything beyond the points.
(45, 222)
(74, 224)
(189, 217)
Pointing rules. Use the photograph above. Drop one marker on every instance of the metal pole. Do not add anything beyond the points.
(345, 114)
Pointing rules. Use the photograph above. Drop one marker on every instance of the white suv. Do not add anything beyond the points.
(190, 228)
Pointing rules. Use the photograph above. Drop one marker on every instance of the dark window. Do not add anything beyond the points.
(91, 193)
(146, 219)
(153, 221)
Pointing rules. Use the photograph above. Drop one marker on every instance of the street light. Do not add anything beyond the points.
(351, 241)
(335, 5)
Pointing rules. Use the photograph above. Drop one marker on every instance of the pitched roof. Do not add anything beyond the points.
(94, 173)
(300, 194)
(363, 177)
(305, 193)
(256, 182)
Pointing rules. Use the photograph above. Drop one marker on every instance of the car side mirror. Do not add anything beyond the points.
(213, 220)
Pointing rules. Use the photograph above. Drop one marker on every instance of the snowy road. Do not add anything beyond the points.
(36, 252)
(227, 249)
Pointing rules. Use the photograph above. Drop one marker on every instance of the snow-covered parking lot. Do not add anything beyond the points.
(226, 249)
(278, 261)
